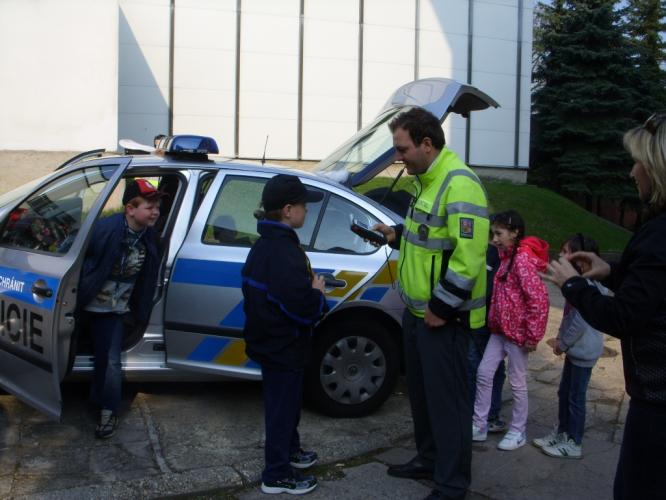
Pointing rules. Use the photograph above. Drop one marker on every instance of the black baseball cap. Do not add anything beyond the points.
(285, 189)
(143, 188)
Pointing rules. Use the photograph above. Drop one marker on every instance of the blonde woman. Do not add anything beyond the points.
(636, 314)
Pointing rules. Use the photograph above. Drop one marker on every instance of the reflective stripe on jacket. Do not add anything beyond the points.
(444, 241)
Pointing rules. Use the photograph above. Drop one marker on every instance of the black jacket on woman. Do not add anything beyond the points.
(636, 314)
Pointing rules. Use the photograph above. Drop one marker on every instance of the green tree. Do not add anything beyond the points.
(583, 98)
(644, 26)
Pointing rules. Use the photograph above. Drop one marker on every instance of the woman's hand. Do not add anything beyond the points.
(559, 271)
(530, 346)
(594, 266)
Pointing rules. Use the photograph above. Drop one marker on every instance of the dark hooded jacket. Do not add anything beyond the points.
(281, 306)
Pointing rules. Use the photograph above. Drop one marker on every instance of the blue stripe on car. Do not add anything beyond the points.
(17, 284)
(208, 349)
(374, 294)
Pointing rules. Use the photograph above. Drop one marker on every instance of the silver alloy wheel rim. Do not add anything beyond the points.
(353, 370)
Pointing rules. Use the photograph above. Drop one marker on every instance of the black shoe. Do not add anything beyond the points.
(411, 470)
(438, 495)
(292, 485)
(303, 459)
(108, 422)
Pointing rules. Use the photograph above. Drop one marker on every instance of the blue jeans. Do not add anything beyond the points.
(106, 331)
(477, 346)
(572, 394)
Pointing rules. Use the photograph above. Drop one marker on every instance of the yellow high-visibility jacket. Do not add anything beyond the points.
(444, 241)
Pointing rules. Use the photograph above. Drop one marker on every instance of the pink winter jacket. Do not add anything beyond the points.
(519, 306)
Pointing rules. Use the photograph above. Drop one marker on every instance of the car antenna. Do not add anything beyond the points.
(263, 158)
(395, 181)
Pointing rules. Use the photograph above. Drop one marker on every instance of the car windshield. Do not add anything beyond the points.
(362, 149)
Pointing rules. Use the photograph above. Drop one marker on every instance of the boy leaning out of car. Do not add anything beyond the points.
(119, 276)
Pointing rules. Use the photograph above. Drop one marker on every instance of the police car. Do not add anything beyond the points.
(206, 229)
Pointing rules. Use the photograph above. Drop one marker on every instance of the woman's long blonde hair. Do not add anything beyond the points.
(650, 151)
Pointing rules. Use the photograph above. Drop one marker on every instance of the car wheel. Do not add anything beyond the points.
(353, 369)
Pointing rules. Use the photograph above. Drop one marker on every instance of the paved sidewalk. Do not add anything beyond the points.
(205, 441)
(525, 473)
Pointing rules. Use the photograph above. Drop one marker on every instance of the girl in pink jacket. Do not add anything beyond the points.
(517, 321)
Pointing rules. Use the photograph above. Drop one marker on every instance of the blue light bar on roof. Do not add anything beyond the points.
(188, 145)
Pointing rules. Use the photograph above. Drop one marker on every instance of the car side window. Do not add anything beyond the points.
(231, 222)
(50, 219)
(334, 234)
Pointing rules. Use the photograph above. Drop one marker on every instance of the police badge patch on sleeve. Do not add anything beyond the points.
(466, 227)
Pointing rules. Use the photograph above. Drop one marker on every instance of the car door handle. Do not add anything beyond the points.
(331, 282)
(42, 290)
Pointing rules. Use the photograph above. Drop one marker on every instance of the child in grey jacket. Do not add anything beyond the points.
(582, 346)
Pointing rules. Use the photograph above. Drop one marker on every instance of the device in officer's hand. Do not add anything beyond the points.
(375, 237)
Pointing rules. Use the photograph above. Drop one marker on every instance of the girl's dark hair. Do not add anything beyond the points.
(579, 243)
(512, 221)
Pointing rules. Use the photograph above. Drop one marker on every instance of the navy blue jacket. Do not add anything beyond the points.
(105, 248)
(280, 305)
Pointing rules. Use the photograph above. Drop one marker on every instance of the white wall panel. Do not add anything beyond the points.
(446, 18)
(143, 60)
(59, 83)
(205, 70)
(330, 75)
(388, 51)
(524, 150)
(496, 20)
(492, 55)
(269, 78)
(491, 147)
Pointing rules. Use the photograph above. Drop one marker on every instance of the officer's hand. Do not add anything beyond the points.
(431, 320)
(387, 231)
(319, 283)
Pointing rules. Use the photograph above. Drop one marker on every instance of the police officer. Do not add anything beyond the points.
(442, 279)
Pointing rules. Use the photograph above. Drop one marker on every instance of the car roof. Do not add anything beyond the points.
(218, 163)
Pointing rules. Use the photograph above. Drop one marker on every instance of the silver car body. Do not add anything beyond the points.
(195, 330)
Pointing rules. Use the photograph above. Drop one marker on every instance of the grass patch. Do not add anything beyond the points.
(547, 214)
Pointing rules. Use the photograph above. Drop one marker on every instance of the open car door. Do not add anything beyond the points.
(43, 238)
(370, 150)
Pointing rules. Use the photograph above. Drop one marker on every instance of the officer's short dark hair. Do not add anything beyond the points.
(419, 123)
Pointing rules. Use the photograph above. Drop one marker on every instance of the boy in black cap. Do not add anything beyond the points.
(283, 300)
(119, 275)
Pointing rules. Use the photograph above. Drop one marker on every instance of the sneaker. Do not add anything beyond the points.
(292, 485)
(566, 448)
(496, 425)
(108, 422)
(303, 459)
(478, 435)
(550, 439)
(512, 440)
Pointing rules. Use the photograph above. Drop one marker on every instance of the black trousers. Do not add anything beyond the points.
(641, 470)
(436, 362)
(283, 396)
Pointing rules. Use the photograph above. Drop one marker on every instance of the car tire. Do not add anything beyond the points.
(353, 369)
